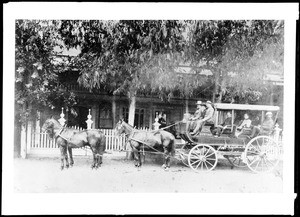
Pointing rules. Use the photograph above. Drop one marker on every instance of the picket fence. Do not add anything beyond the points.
(41, 144)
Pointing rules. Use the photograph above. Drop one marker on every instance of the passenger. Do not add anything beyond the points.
(199, 114)
(246, 124)
(208, 118)
(265, 128)
(226, 125)
(162, 121)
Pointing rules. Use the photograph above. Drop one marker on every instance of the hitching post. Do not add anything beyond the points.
(62, 120)
(89, 120)
(277, 132)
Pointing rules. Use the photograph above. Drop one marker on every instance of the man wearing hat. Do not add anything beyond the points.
(208, 118)
(266, 126)
(198, 115)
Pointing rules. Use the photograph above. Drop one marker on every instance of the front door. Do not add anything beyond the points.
(78, 117)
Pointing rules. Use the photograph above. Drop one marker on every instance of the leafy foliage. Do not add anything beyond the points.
(36, 75)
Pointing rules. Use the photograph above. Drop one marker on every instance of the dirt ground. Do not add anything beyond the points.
(43, 175)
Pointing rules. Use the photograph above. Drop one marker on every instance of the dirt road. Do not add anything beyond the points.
(42, 175)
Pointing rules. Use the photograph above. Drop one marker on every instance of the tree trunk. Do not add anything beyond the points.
(216, 87)
(132, 102)
(186, 105)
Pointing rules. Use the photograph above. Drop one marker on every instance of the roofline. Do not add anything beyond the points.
(229, 106)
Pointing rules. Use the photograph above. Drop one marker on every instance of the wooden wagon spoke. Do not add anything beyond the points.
(258, 145)
(254, 161)
(256, 148)
(205, 166)
(209, 163)
(196, 156)
(210, 155)
(198, 164)
(257, 164)
(196, 161)
(206, 153)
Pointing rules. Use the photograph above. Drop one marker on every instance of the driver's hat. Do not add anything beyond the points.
(199, 103)
(269, 114)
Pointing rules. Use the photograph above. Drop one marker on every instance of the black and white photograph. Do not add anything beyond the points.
(149, 108)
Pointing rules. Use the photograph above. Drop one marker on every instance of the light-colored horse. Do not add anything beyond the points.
(67, 138)
(149, 140)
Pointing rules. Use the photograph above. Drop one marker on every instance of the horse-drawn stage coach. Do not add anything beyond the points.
(200, 152)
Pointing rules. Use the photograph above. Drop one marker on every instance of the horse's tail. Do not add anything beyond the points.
(172, 146)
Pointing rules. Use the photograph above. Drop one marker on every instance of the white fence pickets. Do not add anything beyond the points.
(41, 143)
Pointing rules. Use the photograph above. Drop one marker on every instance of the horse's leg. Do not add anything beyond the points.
(166, 164)
(94, 159)
(98, 160)
(71, 156)
(66, 157)
(61, 148)
(136, 156)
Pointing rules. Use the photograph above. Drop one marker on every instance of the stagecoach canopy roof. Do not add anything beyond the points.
(228, 106)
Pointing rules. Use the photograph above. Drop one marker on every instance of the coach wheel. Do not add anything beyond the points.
(183, 153)
(262, 154)
(202, 158)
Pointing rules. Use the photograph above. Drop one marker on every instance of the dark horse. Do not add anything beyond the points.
(67, 138)
(154, 140)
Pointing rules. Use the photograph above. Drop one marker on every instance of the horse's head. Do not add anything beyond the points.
(48, 127)
(120, 128)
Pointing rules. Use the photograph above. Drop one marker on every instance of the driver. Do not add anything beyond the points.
(199, 113)
(208, 118)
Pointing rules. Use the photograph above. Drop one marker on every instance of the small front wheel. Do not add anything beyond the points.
(202, 158)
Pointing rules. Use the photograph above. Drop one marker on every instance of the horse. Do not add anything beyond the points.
(155, 140)
(67, 138)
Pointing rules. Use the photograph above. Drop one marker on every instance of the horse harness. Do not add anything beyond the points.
(142, 142)
(59, 135)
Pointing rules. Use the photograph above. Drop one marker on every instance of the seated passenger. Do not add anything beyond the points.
(199, 113)
(245, 125)
(225, 126)
(161, 121)
(265, 128)
(208, 118)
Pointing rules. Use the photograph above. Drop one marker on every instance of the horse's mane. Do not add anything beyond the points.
(128, 124)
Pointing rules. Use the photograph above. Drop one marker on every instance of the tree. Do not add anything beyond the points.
(37, 69)
(239, 53)
(123, 56)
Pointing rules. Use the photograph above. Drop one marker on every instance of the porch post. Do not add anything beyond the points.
(94, 116)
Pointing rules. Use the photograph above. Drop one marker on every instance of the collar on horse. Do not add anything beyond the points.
(59, 134)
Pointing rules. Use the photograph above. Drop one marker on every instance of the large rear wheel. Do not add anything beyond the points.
(202, 158)
(262, 154)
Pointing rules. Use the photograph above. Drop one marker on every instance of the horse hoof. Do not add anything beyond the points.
(164, 166)
(61, 168)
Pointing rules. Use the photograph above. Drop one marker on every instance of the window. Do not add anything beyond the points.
(139, 118)
(125, 114)
(105, 116)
